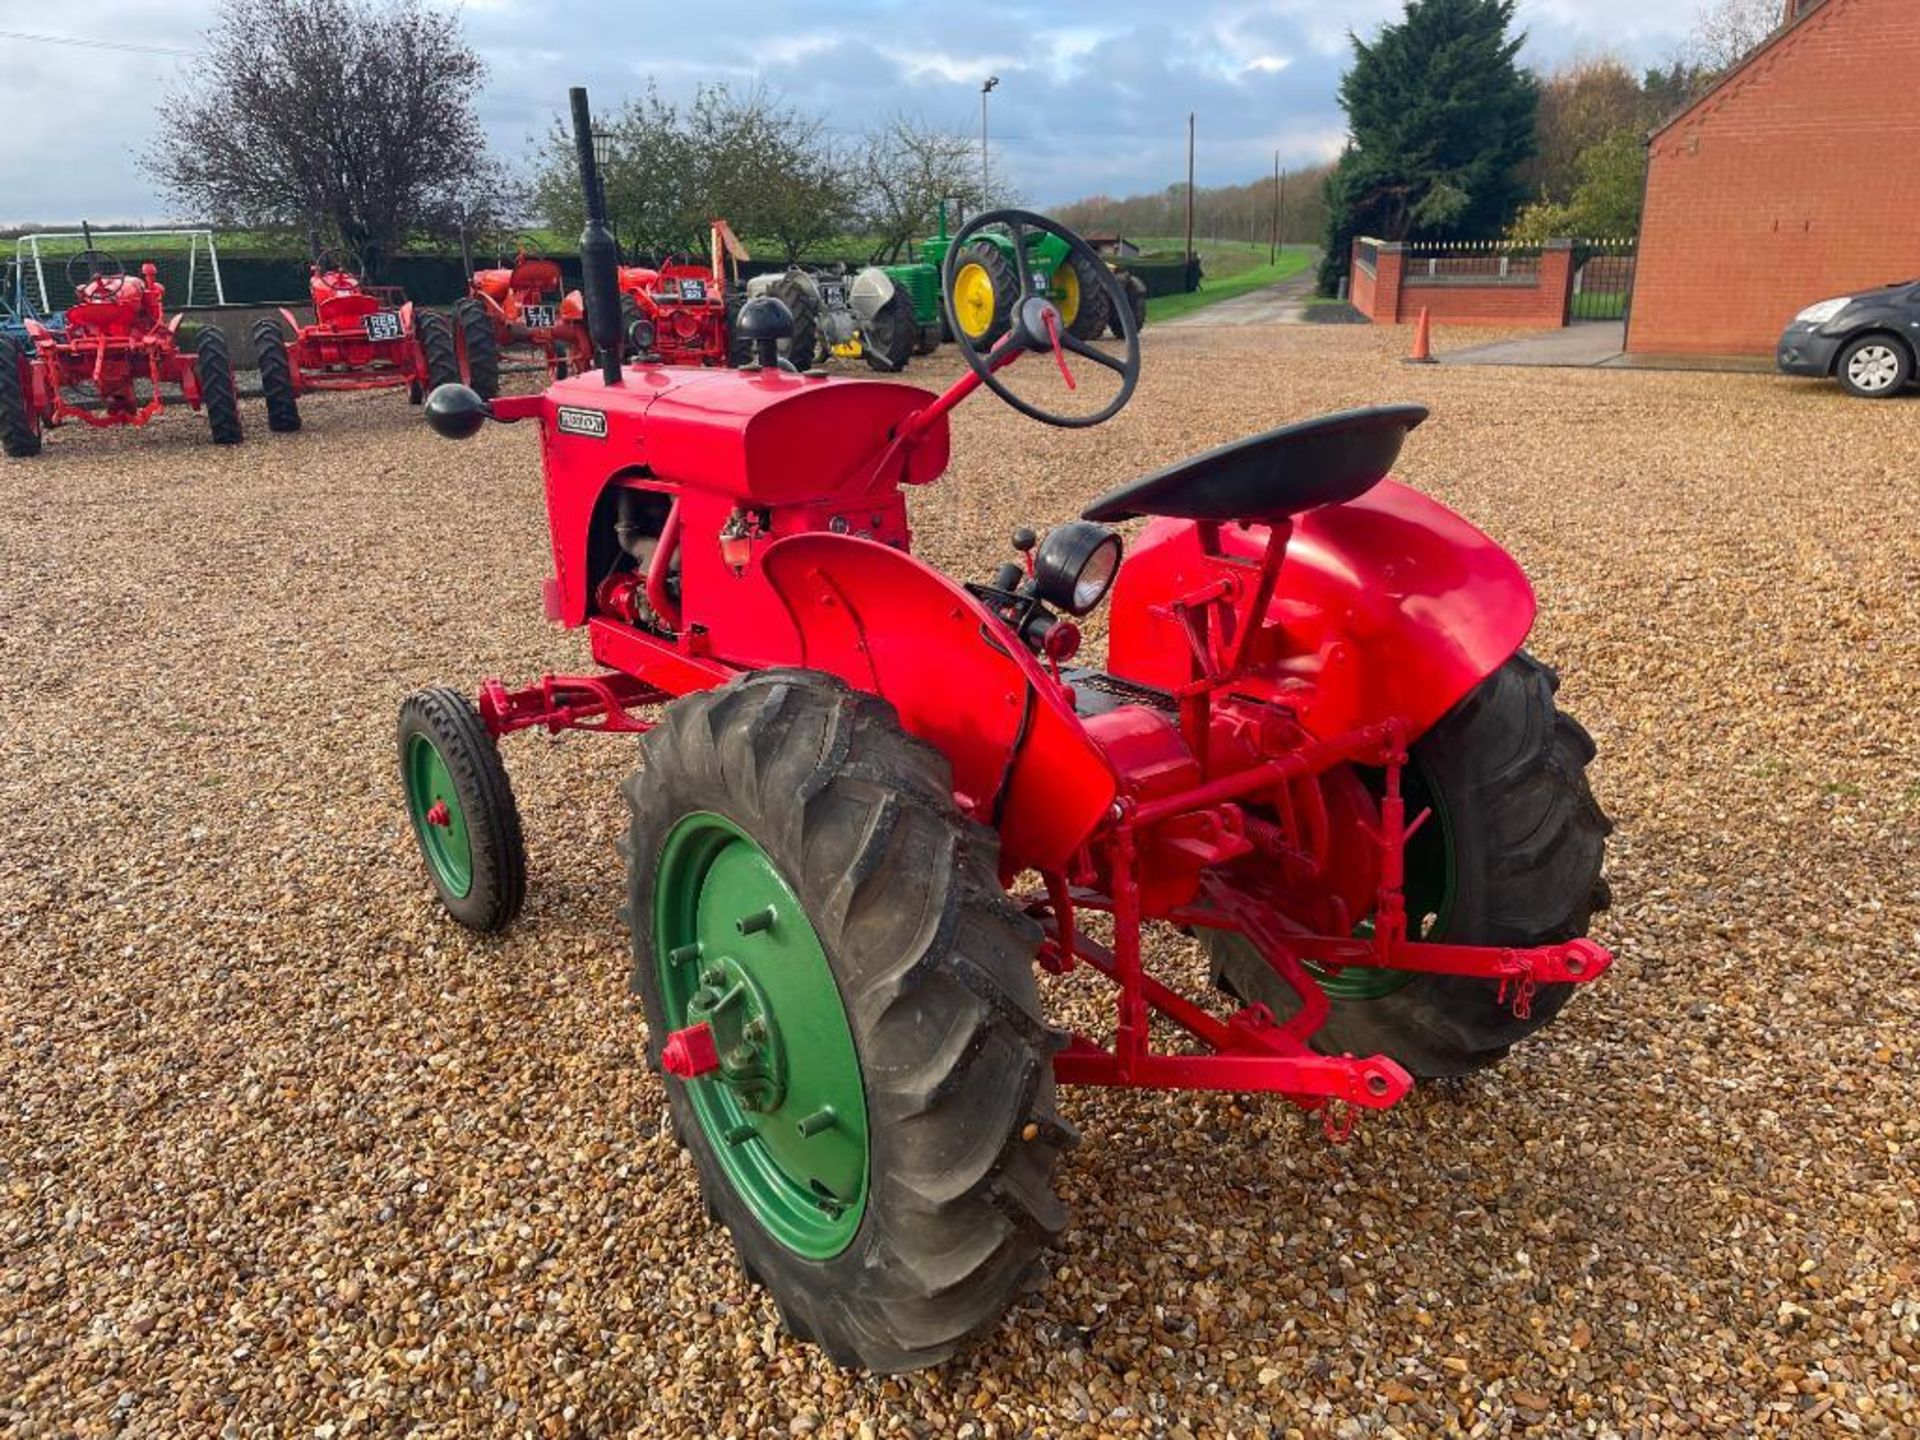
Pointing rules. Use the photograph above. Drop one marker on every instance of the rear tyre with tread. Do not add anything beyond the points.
(214, 368)
(932, 964)
(999, 272)
(888, 343)
(1524, 839)
(462, 809)
(276, 376)
(441, 352)
(630, 313)
(1092, 309)
(478, 348)
(19, 432)
(1136, 289)
(804, 348)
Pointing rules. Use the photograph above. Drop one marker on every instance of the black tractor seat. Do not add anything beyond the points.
(1271, 476)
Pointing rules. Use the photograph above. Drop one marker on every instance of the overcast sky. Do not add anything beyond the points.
(1092, 97)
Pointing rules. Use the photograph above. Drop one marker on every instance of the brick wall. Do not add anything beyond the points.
(1795, 180)
(1364, 285)
(1387, 297)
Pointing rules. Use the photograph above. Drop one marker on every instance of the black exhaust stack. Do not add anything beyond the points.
(599, 255)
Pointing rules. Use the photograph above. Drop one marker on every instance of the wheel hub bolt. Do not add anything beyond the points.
(820, 1120)
(754, 923)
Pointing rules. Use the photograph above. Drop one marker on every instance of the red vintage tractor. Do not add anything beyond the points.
(681, 313)
(519, 307)
(873, 801)
(110, 363)
(364, 337)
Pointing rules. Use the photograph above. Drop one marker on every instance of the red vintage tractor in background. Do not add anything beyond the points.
(364, 337)
(875, 804)
(110, 364)
(681, 313)
(519, 307)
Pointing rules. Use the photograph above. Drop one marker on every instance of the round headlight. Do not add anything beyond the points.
(1075, 565)
(640, 336)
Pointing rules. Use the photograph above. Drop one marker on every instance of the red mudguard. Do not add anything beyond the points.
(886, 623)
(1388, 606)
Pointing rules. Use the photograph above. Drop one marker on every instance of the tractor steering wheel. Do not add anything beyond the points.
(1036, 323)
(95, 265)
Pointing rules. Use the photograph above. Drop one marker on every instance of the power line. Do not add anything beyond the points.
(87, 44)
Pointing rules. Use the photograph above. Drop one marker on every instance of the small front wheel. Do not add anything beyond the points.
(462, 809)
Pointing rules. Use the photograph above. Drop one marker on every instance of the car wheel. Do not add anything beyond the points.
(1874, 367)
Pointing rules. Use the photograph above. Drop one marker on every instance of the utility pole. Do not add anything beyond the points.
(1189, 275)
(1273, 239)
(985, 90)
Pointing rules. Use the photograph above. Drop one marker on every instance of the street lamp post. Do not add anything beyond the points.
(603, 153)
(985, 90)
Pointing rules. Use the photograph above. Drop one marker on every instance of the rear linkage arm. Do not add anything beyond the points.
(1251, 1051)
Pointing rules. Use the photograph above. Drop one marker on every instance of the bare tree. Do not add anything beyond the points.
(909, 168)
(1726, 30)
(338, 114)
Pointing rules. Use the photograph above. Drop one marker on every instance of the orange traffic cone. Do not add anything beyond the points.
(1422, 341)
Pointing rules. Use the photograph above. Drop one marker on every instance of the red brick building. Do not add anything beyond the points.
(1797, 177)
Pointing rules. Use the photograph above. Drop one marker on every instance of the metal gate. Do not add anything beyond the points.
(1602, 279)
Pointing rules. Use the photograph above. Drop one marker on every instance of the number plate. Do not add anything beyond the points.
(835, 295)
(693, 289)
(383, 325)
(538, 317)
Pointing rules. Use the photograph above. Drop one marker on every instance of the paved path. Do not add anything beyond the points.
(1277, 304)
(1594, 344)
(1588, 343)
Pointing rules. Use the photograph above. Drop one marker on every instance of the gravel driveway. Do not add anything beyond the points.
(287, 1152)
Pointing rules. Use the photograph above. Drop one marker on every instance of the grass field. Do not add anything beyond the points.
(1226, 270)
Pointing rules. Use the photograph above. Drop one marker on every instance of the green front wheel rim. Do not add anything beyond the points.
(785, 1114)
(438, 817)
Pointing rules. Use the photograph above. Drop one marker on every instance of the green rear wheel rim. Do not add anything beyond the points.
(438, 818)
(785, 1114)
(1430, 897)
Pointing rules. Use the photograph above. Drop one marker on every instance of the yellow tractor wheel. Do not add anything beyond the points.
(1081, 300)
(983, 289)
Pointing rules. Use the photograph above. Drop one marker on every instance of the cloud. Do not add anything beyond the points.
(1092, 96)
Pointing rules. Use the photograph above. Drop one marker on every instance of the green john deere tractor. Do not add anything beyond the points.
(987, 282)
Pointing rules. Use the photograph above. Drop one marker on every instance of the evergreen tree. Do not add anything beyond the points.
(1440, 117)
